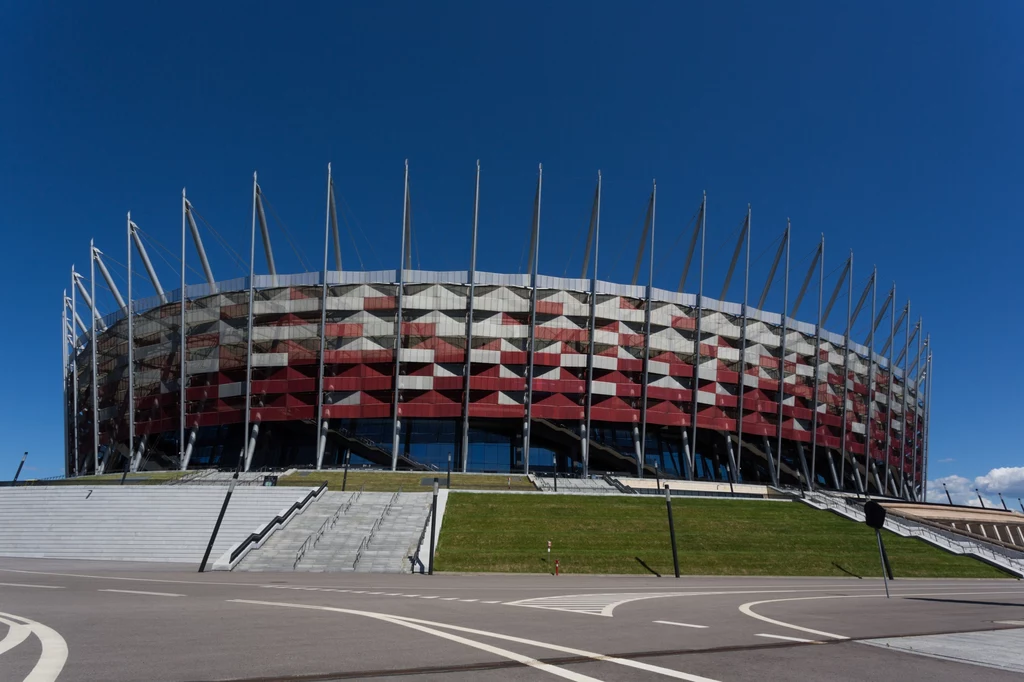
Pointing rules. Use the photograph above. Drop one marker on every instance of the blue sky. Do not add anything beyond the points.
(890, 128)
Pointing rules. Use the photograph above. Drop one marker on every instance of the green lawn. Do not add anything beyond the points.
(509, 533)
(389, 481)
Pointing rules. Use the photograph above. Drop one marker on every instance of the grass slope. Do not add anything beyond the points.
(389, 481)
(509, 533)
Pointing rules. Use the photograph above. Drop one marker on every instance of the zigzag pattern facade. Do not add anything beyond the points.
(359, 373)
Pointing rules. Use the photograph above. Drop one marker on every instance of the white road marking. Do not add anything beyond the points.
(151, 594)
(468, 600)
(16, 634)
(490, 602)
(410, 622)
(682, 625)
(448, 598)
(788, 639)
(54, 654)
(604, 603)
(748, 607)
(433, 597)
(1009, 622)
(504, 653)
(45, 587)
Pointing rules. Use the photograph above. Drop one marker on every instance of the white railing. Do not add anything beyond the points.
(906, 528)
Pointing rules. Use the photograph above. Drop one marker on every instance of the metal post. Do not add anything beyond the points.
(321, 431)
(647, 340)
(919, 361)
(68, 469)
(927, 425)
(182, 344)
(1000, 499)
(344, 478)
(95, 371)
(980, 499)
(888, 389)
(246, 456)
(741, 382)
(448, 482)
(881, 556)
(554, 468)
(817, 369)
(782, 355)
(1021, 504)
(871, 381)
(672, 529)
(271, 268)
(433, 527)
(20, 465)
(469, 324)
(154, 280)
(108, 279)
(129, 311)
(696, 345)
(903, 407)
(216, 526)
(198, 240)
(948, 496)
(395, 424)
(657, 473)
(534, 257)
(846, 375)
(74, 368)
(596, 218)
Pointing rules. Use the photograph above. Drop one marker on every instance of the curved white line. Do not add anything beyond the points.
(418, 624)
(747, 608)
(668, 672)
(504, 653)
(54, 654)
(17, 634)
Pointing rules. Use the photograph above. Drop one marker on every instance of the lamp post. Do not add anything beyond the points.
(948, 497)
(980, 498)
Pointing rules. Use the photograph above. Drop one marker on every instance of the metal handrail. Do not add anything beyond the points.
(907, 528)
(359, 552)
(255, 538)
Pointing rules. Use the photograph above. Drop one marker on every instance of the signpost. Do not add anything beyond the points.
(874, 517)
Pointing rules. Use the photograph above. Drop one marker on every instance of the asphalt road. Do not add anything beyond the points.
(76, 620)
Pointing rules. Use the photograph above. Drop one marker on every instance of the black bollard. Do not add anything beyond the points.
(344, 477)
(672, 530)
(433, 528)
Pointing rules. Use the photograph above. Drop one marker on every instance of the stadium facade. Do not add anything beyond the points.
(503, 372)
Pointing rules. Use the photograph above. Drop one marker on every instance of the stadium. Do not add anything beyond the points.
(404, 369)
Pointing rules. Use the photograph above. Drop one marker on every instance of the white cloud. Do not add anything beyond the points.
(1006, 480)
(946, 460)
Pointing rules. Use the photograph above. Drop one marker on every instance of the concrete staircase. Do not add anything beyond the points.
(279, 552)
(362, 532)
(133, 523)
